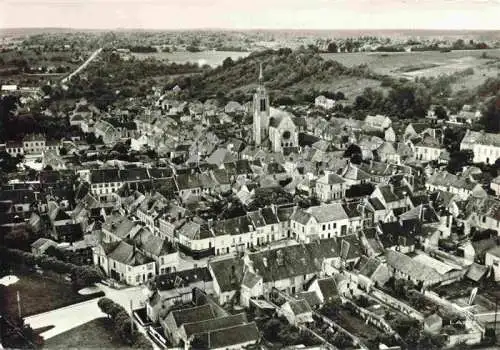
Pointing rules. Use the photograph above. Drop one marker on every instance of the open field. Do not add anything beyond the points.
(212, 58)
(96, 334)
(427, 64)
(38, 294)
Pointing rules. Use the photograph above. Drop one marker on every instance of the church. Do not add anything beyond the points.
(272, 124)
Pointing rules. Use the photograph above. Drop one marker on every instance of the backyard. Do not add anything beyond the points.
(96, 334)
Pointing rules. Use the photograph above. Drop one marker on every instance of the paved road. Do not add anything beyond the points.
(72, 316)
(83, 66)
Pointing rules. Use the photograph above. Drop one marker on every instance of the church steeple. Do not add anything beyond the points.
(260, 111)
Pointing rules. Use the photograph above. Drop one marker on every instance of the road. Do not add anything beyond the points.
(83, 66)
(72, 316)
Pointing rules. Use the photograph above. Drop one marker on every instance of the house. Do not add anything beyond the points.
(158, 249)
(233, 338)
(324, 102)
(41, 245)
(462, 186)
(34, 144)
(227, 277)
(189, 331)
(14, 148)
(422, 269)
(297, 312)
(377, 122)
(291, 268)
(486, 146)
(177, 318)
(492, 259)
(166, 290)
(124, 262)
(372, 273)
(428, 149)
(495, 185)
(390, 135)
(105, 130)
(324, 221)
(330, 187)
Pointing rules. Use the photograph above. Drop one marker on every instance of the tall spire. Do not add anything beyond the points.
(261, 76)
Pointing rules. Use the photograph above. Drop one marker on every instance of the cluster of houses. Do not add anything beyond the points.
(242, 213)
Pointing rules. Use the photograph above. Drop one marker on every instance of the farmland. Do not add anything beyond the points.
(427, 64)
(212, 58)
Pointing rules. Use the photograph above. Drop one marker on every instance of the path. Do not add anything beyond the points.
(83, 66)
(75, 315)
(65, 318)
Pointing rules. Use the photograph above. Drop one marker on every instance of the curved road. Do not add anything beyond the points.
(83, 66)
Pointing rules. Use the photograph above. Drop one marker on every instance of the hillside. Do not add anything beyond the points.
(286, 73)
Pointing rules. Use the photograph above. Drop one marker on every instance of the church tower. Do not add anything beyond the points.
(260, 112)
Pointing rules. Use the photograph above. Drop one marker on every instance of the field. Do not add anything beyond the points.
(427, 64)
(38, 294)
(96, 334)
(212, 58)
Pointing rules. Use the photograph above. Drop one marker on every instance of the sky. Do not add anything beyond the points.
(252, 14)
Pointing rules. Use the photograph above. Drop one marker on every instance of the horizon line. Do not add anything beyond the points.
(255, 29)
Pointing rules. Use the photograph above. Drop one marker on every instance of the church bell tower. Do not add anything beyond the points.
(260, 112)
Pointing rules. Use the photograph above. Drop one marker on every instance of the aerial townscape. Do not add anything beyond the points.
(249, 189)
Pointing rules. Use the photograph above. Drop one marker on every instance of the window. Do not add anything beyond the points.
(138, 278)
(334, 225)
(324, 227)
(262, 104)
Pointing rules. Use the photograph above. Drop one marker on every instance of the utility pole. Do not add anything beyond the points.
(19, 304)
(131, 318)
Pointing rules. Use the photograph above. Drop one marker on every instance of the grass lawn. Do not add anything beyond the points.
(38, 294)
(96, 334)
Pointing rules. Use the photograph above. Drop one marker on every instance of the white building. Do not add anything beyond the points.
(486, 146)
(323, 102)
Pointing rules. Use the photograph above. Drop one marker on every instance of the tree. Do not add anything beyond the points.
(106, 305)
(440, 112)
(491, 115)
(332, 47)
(228, 62)
(63, 151)
(47, 89)
(459, 159)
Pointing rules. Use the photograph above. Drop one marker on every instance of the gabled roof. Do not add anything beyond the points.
(328, 289)
(300, 259)
(214, 324)
(127, 254)
(299, 307)
(331, 179)
(194, 314)
(228, 273)
(231, 336)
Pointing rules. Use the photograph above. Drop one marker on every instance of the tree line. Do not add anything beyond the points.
(82, 276)
(123, 328)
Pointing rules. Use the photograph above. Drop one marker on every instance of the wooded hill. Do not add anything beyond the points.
(286, 73)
